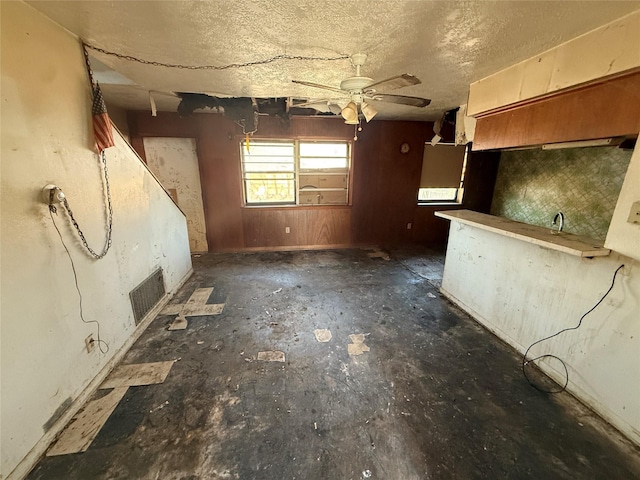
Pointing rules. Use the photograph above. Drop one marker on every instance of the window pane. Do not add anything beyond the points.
(323, 149)
(270, 189)
(437, 194)
(257, 149)
(269, 172)
(268, 167)
(322, 162)
(324, 155)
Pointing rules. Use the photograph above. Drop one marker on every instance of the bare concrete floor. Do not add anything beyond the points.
(435, 397)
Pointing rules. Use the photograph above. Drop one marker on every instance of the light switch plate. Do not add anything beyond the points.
(634, 214)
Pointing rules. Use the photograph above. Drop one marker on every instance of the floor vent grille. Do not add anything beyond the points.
(147, 295)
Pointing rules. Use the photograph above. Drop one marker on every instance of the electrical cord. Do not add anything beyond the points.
(99, 341)
(526, 362)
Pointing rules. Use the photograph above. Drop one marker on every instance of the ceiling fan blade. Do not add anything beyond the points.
(401, 99)
(317, 85)
(393, 83)
(310, 102)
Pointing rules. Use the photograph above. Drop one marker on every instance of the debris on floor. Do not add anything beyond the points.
(180, 323)
(431, 295)
(172, 309)
(84, 427)
(137, 374)
(271, 356)
(159, 407)
(322, 334)
(196, 305)
(357, 347)
(379, 254)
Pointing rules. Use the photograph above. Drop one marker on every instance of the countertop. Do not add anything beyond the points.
(564, 242)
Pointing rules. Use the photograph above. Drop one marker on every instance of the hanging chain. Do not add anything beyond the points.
(214, 67)
(107, 245)
(87, 63)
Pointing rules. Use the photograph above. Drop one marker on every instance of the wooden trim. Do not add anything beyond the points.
(287, 248)
(609, 108)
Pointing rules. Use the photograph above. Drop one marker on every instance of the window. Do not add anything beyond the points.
(442, 176)
(295, 172)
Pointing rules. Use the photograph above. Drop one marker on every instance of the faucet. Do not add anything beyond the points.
(560, 224)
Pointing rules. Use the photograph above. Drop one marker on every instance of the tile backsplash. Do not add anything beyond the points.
(583, 183)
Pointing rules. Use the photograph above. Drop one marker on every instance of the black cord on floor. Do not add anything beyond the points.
(525, 362)
(99, 341)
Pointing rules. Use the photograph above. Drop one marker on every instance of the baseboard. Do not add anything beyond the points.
(31, 459)
(286, 248)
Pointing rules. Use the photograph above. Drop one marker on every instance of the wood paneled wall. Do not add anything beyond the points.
(608, 108)
(383, 192)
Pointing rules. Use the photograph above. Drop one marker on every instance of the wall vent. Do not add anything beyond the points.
(147, 295)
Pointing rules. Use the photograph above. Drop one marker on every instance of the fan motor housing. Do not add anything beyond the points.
(355, 84)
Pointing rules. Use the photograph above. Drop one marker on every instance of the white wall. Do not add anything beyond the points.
(624, 237)
(47, 137)
(523, 293)
(610, 49)
(175, 162)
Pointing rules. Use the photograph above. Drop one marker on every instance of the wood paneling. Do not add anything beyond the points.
(386, 181)
(265, 227)
(383, 191)
(606, 109)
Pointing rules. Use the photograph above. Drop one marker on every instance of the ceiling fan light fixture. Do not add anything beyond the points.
(368, 111)
(350, 113)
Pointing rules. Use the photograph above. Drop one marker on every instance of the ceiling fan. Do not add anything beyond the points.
(360, 92)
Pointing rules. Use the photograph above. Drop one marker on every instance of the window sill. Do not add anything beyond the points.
(439, 204)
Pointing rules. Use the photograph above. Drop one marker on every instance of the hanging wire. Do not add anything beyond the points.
(253, 63)
(102, 345)
(526, 362)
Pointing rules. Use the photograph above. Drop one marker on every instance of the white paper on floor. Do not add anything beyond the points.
(322, 334)
(196, 305)
(271, 356)
(357, 347)
(85, 426)
(379, 254)
(137, 374)
(180, 323)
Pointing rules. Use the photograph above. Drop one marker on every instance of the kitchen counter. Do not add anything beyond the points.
(543, 237)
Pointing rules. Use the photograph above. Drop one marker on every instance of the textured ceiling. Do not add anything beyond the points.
(446, 44)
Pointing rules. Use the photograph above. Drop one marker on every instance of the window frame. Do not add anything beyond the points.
(299, 171)
(459, 190)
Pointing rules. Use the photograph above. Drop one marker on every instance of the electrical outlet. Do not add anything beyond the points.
(287, 230)
(90, 343)
(634, 213)
(409, 225)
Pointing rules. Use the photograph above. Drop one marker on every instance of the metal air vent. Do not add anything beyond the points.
(147, 295)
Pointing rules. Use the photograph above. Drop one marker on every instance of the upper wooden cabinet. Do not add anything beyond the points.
(607, 108)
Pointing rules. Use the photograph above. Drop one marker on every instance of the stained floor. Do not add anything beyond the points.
(435, 397)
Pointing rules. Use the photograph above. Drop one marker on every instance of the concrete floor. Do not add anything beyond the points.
(436, 397)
